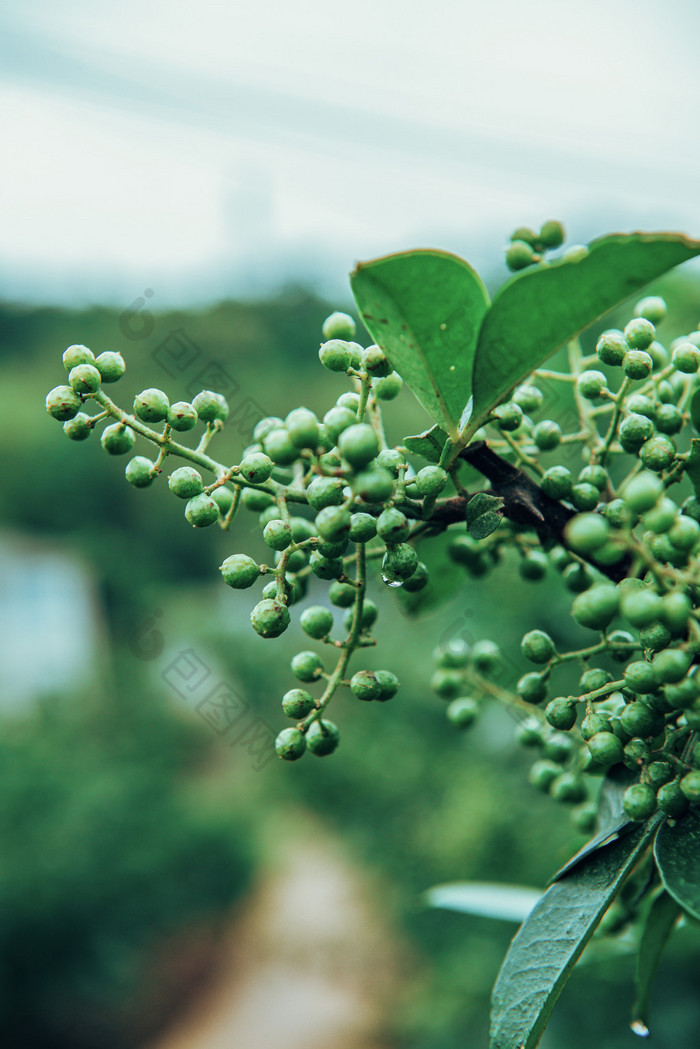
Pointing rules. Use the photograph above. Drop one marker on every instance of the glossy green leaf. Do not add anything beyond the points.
(483, 516)
(512, 903)
(677, 852)
(542, 308)
(611, 818)
(546, 948)
(425, 308)
(662, 917)
(429, 445)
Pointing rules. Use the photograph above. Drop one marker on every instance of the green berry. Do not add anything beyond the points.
(430, 480)
(182, 416)
(635, 429)
(586, 533)
(253, 499)
(462, 712)
(551, 234)
(529, 397)
(684, 533)
(325, 567)
(333, 523)
(302, 427)
(277, 534)
(185, 482)
(290, 744)
(338, 326)
(547, 435)
(638, 719)
(685, 358)
(363, 527)
(671, 665)
(690, 786)
(76, 355)
(643, 492)
(611, 348)
(375, 363)
(637, 364)
(388, 683)
(595, 608)
(661, 517)
(605, 748)
(151, 405)
(393, 526)
(375, 486)
(256, 468)
(307, 666)
(533, 567)
(63, 403)
(657, 454)
(399, 563)
(486, 656)
(369, 615)
(84, 378)
(519, 254)
(322, 738)
(111, 366)
(270, 617)
(652, 307)
(280, 448)
(297, 703)
(654, 637)
(569, 788)
(446, 682)
(342, 595)
(240, 571)
(532, 688)
(335, 355)
(585, 497)
(558, 746)
(592, 724)
(671, 799)
(508, 416)
(419, 580)
(358, 444)
(639, 333)
(140, 471)
(263, 427)
(591, 384)
(669, 419)
(365, 686)
(561, 713)
(675, 611)
(324, 491)
(595, 475)
(316, 621)
(388, 387)
(639, 801)
(201, 511)
(557, 482)
(117, 439)
(78, 428)
(658, 773)
(641, 607)
(641, 677)
(337, 420)
(543, 773)
(593, 679)
(211, 407)
(537, 646)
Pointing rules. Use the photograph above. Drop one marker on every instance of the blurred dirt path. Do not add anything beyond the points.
(308, 965)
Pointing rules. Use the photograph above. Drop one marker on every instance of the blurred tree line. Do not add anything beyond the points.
(127, 826)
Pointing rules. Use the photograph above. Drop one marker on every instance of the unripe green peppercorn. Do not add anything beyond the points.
(611, 348)
(685, 358)
(684, 533)
(430, 480)
(333, 523)
(182, 416)
(363, 527)
(671, 799)
(151, 405)
(335, 355)
(201, 511)
(290, 744)
(211, 407)
(388, 684)
(639, 333)
(508, 416)
(325, 567)
(358, 444)
(277, 534)
(462, 712)
(557, 482)
(641, 607)
(637, 364)
(671, 665)
(375, 363)
(585, 497)
(591, 384)
(652, 307)
(302, 427)
(640, 677)
(690, 786)
(307, 666)
(393, 526)
(85, 378)
(586, 533)
(399, 563)
(639, 801)
(537, 646)
(592, 724)
(256, 467)
(388, 387)
(338, 326)
(661, 517)
(316, 621)
(322, 738)
(297, 703)
(642, 492)
(375, 485)
(63, 403)
(658, 453)
(369, 615)
(337, 420)
(605, 748)
(519, 254)
(239, 571)
(418, 580)
(669, 419)
(595, 608)
(78, 428)
(551, 234)
(280, 448)
(638, 719)
(76, 355)
(270, 618)
(533, 567)
(634, 431)
(111, 366)
(568, 788)
(185, 482)
(140, 471)
(117, 439)
(532, 688)
(543, 773)
(547, 435)
(364, 685)
(561, 713)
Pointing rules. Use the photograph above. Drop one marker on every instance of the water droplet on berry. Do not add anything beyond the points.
(640, 1028)
(393, 583)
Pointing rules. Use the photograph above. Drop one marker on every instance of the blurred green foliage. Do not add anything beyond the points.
(110, 847)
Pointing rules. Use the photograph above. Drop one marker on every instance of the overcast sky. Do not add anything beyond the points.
(204, 149)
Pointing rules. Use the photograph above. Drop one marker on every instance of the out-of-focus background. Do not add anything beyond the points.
(190, 184)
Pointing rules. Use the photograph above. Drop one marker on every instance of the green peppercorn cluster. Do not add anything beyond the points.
(628, 556)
